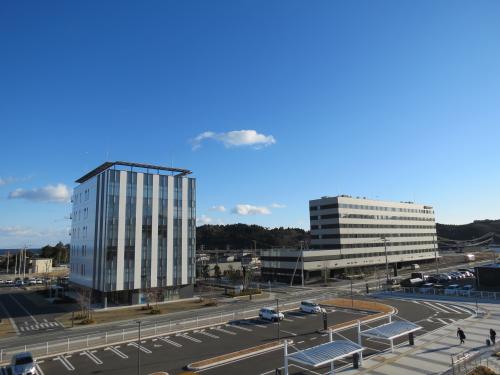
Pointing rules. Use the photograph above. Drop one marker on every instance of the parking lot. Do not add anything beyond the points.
(172, 353)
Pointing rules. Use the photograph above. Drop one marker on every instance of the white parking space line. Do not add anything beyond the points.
(115, 350)
(298, 316)
(290, 333)
(90, 355)
(39, 369)
(239, 327)
(168, 341)
(224, 330)
(65, 362)
(287, 320)
(208, 334)
(186, 336)
(442, 321)
(141, 348)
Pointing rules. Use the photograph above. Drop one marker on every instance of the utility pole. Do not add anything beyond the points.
(302, 258)
(435, 253)
(15, 265)
(384, 239)
(139, 348)
(8, 258)
(24, 264)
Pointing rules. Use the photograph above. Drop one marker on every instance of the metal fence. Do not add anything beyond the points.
(102, 339)
(472, 295)
(465, 362)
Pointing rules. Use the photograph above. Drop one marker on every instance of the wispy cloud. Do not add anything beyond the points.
(59, 193)
(235, 138)
(248, 209)
(10, 180)
(204, 219)
(18, 236)
(218, 208)
(277, 205)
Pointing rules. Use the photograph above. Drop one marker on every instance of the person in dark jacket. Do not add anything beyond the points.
(493, 336)
(461, 335)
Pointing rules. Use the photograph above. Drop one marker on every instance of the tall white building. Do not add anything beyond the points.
(349, 232)
(133, 229)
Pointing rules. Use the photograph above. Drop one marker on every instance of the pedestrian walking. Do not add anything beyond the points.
(461, 335)
(493, 336)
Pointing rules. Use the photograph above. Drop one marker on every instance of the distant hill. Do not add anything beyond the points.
(468, 231)
(240, 236)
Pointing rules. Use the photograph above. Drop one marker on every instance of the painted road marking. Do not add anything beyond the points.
(23, 308)
(290, 333)
(298, 316)
(186, 336)
(115, 350)
(287, 320)
(65, 362)
(140, 347)
(224, 330)
(449, 308)
(239, 327)
(92, 356)
(168, 341)
(209, 335)
(39, 369)
(432, 306)
(465, 310)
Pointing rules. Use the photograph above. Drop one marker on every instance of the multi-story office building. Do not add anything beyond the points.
(134, 229)
(349, 232)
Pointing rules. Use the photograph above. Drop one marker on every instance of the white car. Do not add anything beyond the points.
(271, 314)
(310, 307)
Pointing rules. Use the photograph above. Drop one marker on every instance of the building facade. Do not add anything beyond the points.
(349, 233)
(134, 230)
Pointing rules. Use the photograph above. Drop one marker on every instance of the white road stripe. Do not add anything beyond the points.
(65, 362)
(92, 357)
(442, 321)
(449, 308)
(225, 331)
(39, 369)
(23, 308)
(142, 348)
(117, 352)
(287, 320)
(186, 336)
(209, 335)
(239, 327)
(434, 307)
(168, 341)
(462, 309)
(290, 333)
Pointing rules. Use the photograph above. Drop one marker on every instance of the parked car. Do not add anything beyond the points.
(32, 282)
(465, 272)
(9, 282)
(19, 282)
(23, 364)
(444, 277)
(1, 281)
(415, 266)
(310, 307)
(271, 314)
(39, 281)
(465, 290)
(451, 290)
(416, 282)
(419, 275)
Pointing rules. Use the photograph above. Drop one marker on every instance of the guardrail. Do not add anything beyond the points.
(463, 363)
(102, 339)
(479, 295)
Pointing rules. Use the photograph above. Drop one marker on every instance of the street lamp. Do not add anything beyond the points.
(139, 348)
(278, 313)
(385, 240)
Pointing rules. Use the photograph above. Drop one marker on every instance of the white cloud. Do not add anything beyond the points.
(7, 180)
(218, 208)
(204, 220)
(18, 236)
(277, 205)
(59, 193)
(235, 138)
(248, 209)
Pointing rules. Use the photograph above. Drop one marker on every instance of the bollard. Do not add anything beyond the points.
(1, 355)
(155, 329)
(87, 340)
(47, 347)
(68, 344)
(411, 338)
(106, 338)
(355, 360)
(123, 334)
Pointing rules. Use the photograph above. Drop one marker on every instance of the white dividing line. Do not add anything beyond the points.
(23, 308)
(452, 308)
(442, 321)
(65, 362)
(224, 330)
(299, 316)
(117, 352)
(239, 327)
(142, 348)
(290, 333)
(287, 320)
(168, 341)
(208, 335)
(432, 306)
(12, 322)
(39, 369)
(92, 357)
(186, 336)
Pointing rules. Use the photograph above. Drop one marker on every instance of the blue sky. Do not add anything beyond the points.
(384, 99)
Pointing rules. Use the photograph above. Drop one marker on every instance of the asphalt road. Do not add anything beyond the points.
(172, 353)
(28, 318)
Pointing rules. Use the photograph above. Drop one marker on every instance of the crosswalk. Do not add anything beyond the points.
(38, 326)
(445, 308)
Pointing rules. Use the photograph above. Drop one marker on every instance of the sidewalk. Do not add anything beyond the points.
(432, 352)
